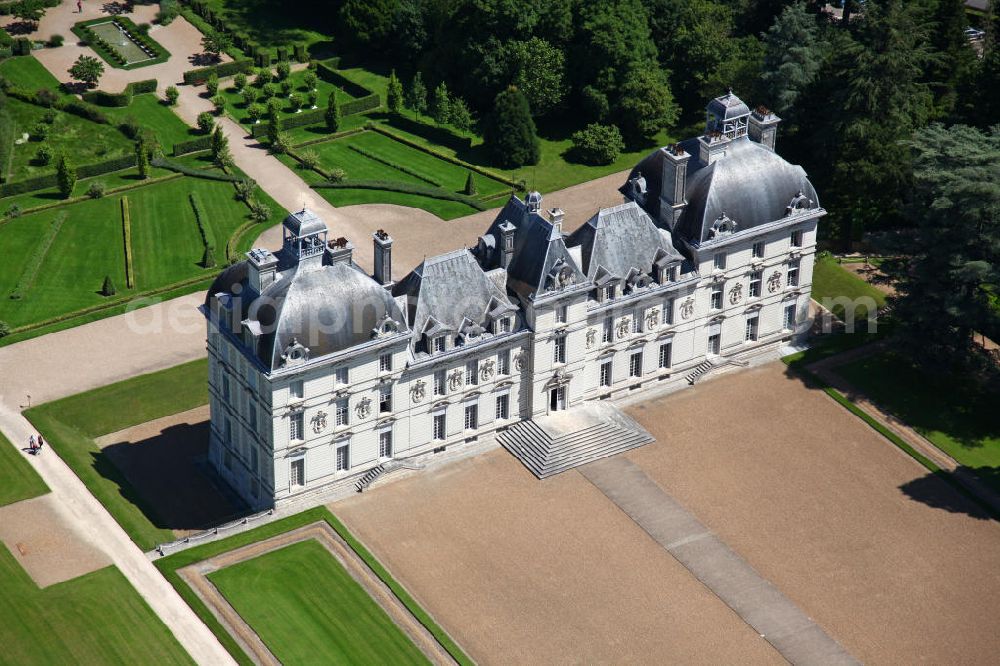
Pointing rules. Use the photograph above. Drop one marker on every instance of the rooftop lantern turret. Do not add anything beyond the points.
(304, 237)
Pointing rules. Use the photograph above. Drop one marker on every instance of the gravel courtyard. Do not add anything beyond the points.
(844, 524)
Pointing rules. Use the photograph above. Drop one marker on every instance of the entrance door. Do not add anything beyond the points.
(713, 343)
(557, 399)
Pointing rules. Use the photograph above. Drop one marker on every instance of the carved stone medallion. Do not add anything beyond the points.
(653, 318)
(774, 282)
(736, 293)
(520, 361)
(455, 380)
(418, 391)
(591, 338)
(687, 308)
(486, 370)
(318, 422)
(364, 408)
(624, 326)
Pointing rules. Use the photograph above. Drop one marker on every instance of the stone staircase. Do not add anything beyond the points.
(699, 370)
(369, 478)
(553, 444)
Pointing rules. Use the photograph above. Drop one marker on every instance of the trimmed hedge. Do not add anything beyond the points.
(389, 163)
(127, 231)
(108, 54)
(193, 145)
(199, 216)
(330, 137)
(37, 257)
(403, 188)
(198, 76)
(164, 163)
(318, 116)
(448, 158)
(330, 75)
(124, 98)
(85, 171)
(67, 104)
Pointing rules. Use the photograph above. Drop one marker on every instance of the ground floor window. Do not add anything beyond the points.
(606, 373)
(635, 365)
(439, 426)
(343, 462)
(297, 475)
(385, 444)
(503, 407)
(751, 329)
(788, 323)
(471, 417)
(714, 343)
(665, 351)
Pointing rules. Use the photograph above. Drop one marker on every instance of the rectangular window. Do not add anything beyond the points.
(471, 417)
(751, 329)
(717, 297)
(609, 292)
(797, 238)
(606, 373)
(385, 444)
(758, 250)
(439, 344)
(714, 343)
(559, 350)
(295, 389)
(503, 362)
(720, 261)
(635, 365)
(665, 350)
(340, 376)
(561, 314)
(472, 372)
(295, 429)
(505, 325)
(755, 281)
(788, 321)
(297, 473)
(439, 379)
(503, 407)
(609, 330)
(385, 399)
(668, 311)
(439, 426)
(341, 413)
(793, 274)
(343, 460)
(385, 363)
(637, 320)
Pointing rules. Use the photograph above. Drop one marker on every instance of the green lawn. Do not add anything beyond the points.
(83, 141)
(166, 242)
(152, 113)
(237, 107)
(97, 618)
(952, 412)
(71, 424)
(18, 480)
(309, 610)
(28, 72)
(832, 281)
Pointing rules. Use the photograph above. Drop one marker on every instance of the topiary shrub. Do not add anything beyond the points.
(470, 185)
(46, 97)
(212, 85)
(206, 122)
(55, 41)
(308, 159)
(597, 144)
(240, 81)
(96, 189)
(108, 288)
(283, 69)
(171, 95)
(44, 155)
(208, 258)
(39, 132)
(219, 103)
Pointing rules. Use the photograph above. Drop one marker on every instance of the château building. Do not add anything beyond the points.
(320, 373)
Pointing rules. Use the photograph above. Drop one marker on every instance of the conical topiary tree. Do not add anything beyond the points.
(509, 132)
(470, 185)
(208, 259)
(142, 158)
(108, 288)
(332, 113)
(66, 177)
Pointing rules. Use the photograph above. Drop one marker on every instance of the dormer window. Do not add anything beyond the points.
(438, 343)
(608, 292)
(503, 325)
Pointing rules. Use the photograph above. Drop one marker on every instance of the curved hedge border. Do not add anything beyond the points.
(402, 188)
(389, 163)
(37, 257)
(83, 31)
(192, 145)
(124, 98)
(85, 171)
(448, 158)
(198, 76)
(127, 231)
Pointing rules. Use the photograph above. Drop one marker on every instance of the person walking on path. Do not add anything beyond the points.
(31, 445)
(79, 6)
(41, 443)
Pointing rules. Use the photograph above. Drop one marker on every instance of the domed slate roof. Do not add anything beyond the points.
(304, 223)
(728, 106)
(325, 309)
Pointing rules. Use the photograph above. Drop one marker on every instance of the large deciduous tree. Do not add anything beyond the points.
(509, 132)
(646, 105)
(87, 69)
(949, 272)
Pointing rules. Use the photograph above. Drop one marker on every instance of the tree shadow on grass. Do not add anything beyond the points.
(943, 490)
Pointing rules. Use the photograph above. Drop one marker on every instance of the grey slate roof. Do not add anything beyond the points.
(450, 289)
(304, 222)
(539, 248)
(750, 184)
(622, 238)
(728, 106)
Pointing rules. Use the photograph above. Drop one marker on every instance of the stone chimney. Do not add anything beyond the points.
(339, 251)
(382, 243)
(764, 127)
(673, 187)
(711, 146)
(556, 216)
(262, 268)
(507, 231)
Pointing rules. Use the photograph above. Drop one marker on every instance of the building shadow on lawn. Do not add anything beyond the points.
(167, 476)
(940, 490)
